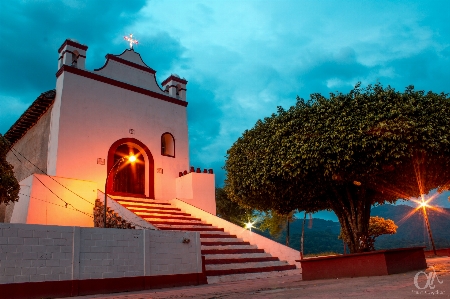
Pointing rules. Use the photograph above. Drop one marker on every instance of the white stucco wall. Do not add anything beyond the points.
(34, 253)
(198, 189)
(38, 205)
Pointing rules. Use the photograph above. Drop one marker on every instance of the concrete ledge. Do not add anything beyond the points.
(69, 288)
(375, 263)
(439, 252)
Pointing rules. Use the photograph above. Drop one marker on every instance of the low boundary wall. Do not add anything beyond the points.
(39, 261)
(439, 252)
(274, 248)
(374, 263)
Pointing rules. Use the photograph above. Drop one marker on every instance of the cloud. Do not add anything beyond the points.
(242, 59)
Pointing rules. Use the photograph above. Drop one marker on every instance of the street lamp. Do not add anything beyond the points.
(131, 159)
(424, 205)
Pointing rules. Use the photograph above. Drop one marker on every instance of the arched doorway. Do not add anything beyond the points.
(130, 179)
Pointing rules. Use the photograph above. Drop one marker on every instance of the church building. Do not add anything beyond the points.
(78, 132)
(114, 134)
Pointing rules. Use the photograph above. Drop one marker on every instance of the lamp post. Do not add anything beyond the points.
(130, 159)
(423, 204)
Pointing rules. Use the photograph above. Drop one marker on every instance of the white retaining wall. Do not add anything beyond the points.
(276, 249)
(32, 253)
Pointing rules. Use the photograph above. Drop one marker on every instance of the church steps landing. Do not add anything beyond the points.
(227, 258)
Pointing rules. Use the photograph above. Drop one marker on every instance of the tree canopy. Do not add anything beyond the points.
(345, 153)
(9, 187)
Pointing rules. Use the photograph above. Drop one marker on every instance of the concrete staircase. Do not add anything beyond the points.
(227, 258)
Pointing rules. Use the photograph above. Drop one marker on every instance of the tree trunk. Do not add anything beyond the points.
(352, 207)
(287, 234)
(303, 235)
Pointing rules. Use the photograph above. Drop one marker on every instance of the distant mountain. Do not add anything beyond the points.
(322, 236)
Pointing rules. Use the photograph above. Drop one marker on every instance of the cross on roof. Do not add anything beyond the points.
(131, 40)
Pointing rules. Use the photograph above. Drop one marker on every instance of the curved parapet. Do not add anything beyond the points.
(129, 67)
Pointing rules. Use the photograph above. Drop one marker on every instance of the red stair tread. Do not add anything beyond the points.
(143, 201)
(217, 236)
(206, 243)
(150, 208)
(193, 229)
(180, 223)
(249, 270)
(152, 216)
(231, 251)
(241, 260)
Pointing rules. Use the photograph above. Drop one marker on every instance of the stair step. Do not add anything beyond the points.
(236, 256)
(250, 265)
(160, 212)
(213, 243)
(232, 251)
(221, 240)
(226, 235)
(240, 260)
(195, 229)
(145, 206)
(249, 270)
(148, 217)
(149, 209)
(226, 247)
(187, 223)
(132, 199)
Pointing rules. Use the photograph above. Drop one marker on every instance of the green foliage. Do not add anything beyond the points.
(9, 187)
(231, 211)
(344, 154)
(377, 226)
(275, 223)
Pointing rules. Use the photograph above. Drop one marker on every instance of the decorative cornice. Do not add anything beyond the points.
(93, 76)
(129, 63)
(174, 78)
(69, 42)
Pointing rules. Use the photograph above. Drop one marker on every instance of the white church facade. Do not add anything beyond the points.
(78, 132)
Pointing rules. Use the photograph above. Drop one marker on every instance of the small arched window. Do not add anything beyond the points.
(168, 145)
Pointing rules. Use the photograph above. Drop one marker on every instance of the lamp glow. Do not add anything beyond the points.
(132, 158)
(249, 226)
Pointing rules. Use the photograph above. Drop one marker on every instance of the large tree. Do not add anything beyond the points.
(345, 153)
(9, 187)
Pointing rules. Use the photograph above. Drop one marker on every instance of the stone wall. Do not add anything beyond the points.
(40, 253)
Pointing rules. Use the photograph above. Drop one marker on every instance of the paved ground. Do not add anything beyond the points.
(390, 286)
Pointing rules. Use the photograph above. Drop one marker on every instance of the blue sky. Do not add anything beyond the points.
(242, 58)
